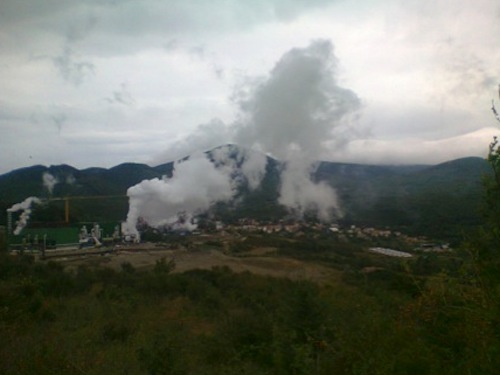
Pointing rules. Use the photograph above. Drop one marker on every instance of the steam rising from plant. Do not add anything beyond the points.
(25, 207)
(49, 181)
(197, 183)
(293, 114)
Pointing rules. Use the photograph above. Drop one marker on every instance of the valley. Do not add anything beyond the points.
(400, 282)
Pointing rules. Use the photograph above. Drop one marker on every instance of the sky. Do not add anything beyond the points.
(97, 83)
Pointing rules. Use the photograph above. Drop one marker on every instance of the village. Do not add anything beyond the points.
(297, 229)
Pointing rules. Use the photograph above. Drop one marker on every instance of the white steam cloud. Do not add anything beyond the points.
(300, 194)
(241, 165)
(70, 179)
(49, 181)
(25, 207)
(295, 114)
(197, 183)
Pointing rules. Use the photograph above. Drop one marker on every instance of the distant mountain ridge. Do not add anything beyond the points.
(420, 197)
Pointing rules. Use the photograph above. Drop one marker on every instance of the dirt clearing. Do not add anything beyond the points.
(262, 261)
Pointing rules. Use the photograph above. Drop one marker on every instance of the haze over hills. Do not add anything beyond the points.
(423, 199)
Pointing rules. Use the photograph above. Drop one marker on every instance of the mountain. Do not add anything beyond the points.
(435, 199)
(16, 185)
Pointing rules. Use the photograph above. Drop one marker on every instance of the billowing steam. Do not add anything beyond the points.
(240, 165)
(197, 183)
(25, 207)
(70, 179)
(49, 181)
(294, 114)
(300, 194)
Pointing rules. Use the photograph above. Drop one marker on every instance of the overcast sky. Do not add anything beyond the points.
(102, 82)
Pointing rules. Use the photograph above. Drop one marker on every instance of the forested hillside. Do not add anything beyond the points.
(434, 200)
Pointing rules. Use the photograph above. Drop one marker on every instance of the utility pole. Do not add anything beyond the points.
(66, 210)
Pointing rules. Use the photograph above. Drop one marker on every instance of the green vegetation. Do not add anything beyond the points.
(435, 313)
(200, 322)
(431, 314)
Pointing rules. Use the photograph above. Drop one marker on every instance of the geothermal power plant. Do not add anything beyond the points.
(23, 234)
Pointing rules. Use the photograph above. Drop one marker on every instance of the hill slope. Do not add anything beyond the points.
(419, 198)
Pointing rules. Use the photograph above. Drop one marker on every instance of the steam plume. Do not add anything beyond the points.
(25, 207)
(196, 184)
(293, 115)
(49, 181)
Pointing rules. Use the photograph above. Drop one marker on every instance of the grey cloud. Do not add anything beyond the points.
(415, 150)
(218, 71)
(59, 120)
(11, 115)
(95, 45)
(467, 74)
(422, 122)
(79, 30)
(139, 22)
(187, 16)
(205, 137)
(26, 12)
(171, 45)
(10, 112)
(198, 51)
(70, 68)
(51, 115)
(121, 96)
(289, 9)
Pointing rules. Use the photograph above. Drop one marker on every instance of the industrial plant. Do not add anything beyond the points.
(22, 234)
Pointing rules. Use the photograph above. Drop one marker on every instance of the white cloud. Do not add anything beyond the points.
(417, 150)
(424, 70)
